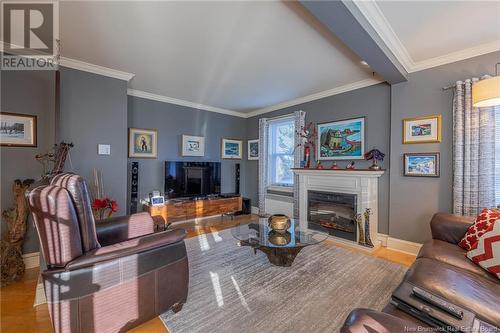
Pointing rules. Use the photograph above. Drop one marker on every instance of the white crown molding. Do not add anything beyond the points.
(312, 97)
(456, 56)
(96, 69)
(176, 101)
(379, 22)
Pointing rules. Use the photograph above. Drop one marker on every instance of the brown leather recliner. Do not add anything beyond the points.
(105, 279)
(443, 269)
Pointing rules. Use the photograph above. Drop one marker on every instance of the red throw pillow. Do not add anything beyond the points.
(483, 222)
(486, 252)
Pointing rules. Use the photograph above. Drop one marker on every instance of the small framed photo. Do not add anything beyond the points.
(17, 130)
(421, 164)
(193, 145)
(253, 149)
(341, 140)
(422, 129)
(142, 143)
(231, 149)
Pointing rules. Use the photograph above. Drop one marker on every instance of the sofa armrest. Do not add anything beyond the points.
(449, 227)
(122, 228)
(126, 248)
(366, 320)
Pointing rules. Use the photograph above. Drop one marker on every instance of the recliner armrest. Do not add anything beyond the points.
(366, 320)
(129, 247)
(449, 227)
(122, 228)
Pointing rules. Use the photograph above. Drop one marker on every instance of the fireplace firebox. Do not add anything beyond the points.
(333, 213)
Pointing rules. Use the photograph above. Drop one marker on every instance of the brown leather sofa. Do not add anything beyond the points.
(442, 269)
(105, 278)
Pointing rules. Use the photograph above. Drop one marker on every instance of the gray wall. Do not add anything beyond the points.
(413, 200)
(26, 92)
(94, 110)
(172, 121)
(372, 102)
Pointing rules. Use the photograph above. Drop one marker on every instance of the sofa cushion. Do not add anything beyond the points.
(486, 252)
(451, 254)
(461, 287)
(483, 221)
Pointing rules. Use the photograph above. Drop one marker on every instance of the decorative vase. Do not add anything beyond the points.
(334, 166)
(368, 241)
(307, 159)
(279, 223)
(375, 165)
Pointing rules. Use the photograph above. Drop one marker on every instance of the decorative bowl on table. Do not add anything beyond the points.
(279, 223)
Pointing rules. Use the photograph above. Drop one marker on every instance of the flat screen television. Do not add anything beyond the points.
(192, 179)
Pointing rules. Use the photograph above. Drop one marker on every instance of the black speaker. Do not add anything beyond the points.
(134, 187)
(237, 178)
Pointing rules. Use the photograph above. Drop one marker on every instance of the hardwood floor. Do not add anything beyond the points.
(17, 313)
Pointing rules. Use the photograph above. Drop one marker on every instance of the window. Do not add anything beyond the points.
(497, 155)
(280, 151)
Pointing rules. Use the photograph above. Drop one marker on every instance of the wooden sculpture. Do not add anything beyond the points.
(12, 264)
(361, 233)
(368, 240)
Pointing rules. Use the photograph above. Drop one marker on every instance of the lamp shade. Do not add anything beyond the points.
(486, 92)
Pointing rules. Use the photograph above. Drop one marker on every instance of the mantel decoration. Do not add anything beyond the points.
(17, 130)
(12, 264)
(307, 135)
(142, 143)
(341, 140)
(375, 155)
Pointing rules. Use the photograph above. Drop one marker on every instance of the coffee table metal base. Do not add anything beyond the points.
(278, 256)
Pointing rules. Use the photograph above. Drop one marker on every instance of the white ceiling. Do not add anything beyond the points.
(430, 29)
(239, 56)
(259, 56)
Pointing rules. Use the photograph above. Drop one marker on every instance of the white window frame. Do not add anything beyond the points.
(279, 187)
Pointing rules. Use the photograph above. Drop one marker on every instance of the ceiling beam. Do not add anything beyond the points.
(345, 20)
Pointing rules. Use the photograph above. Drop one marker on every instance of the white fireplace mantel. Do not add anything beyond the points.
(363, 183)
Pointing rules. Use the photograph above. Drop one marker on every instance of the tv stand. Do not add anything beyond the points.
(186, 209)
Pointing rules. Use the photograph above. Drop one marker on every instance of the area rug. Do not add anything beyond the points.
(231, 289)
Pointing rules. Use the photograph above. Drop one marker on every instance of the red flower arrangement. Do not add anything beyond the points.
(100, 206)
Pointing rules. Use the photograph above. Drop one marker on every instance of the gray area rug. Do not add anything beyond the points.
(231, 289)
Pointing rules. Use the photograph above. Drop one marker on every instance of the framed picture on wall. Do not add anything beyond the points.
(231, 149)
(422, 129)
(253, 149)
(341, 140)
(142, 143)
(17, 130)
(421, 164)
(193, 145)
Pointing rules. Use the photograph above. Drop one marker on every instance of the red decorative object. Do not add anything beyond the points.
(486, 252)
(307, 136)
(334, 166)
(483, 222)
(307, 157)
(319, 166)
(100, 206)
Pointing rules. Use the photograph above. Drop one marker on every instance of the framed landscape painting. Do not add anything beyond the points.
(341, 140)
(231, 149)
(193, 145)
(253, 149)
(421, 164)
(17, 130)
(142, 143)
(422, 129)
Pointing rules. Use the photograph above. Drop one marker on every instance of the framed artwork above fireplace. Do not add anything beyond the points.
(341, 140)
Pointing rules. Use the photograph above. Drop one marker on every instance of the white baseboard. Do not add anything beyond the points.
(382, 239)
(31, 260)
(255, 210)
(403, 246)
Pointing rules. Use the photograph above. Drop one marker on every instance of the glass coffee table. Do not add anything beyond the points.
(281, 248)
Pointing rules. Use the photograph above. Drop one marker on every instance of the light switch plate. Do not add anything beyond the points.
(103, 149)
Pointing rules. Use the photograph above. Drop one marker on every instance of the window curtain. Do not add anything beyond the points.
(263, 145)
(473, 153)
(299, 119)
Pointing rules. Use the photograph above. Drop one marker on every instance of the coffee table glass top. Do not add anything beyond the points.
(258, 233)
